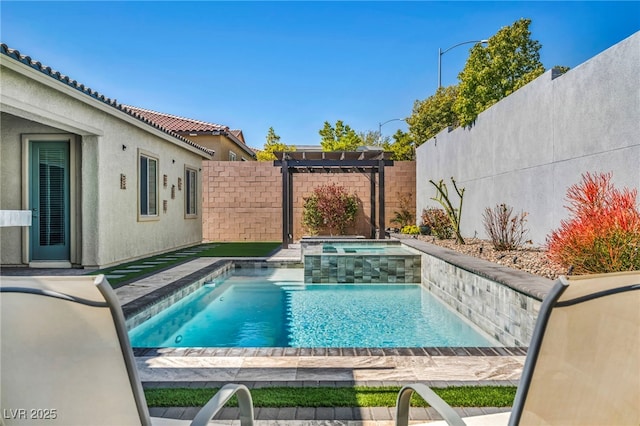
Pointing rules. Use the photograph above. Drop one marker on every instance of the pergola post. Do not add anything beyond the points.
(290, 215)
(285, 204)
(372, 200)
(381, 218)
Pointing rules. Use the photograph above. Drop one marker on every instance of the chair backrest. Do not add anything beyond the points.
(583, 364)
(65, 357)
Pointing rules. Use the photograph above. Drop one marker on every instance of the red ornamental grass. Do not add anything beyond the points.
(603, 232)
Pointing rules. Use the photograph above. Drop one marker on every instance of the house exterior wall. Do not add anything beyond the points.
(243, 201)
(527, 149)
(107, 229)
(222, 145)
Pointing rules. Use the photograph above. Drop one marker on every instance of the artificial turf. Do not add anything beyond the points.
(239, 249)
(254, 249)
(462, 396)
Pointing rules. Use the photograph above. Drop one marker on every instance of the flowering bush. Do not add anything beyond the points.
(329, 207)
(439, 223)
(603, 231)
(410, 230)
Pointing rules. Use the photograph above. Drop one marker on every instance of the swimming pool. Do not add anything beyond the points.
(274, 308)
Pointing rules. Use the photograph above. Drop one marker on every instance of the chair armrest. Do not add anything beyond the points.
(404, 398)
(218, 401)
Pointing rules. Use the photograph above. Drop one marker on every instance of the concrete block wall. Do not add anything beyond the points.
(527, 149)
(242, 201)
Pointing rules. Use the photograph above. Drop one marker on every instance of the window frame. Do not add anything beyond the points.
(233, 156)
(191, 190)
(150, 157)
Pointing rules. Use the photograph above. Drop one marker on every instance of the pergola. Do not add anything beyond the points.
(365, 161)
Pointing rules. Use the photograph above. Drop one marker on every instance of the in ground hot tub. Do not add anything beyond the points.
(359, 261)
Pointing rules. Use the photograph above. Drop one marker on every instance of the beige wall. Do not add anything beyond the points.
(222, 145)
(106, 229)
(243, 201)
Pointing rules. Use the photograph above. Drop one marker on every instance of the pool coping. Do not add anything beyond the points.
(331, 352)
(523, 282)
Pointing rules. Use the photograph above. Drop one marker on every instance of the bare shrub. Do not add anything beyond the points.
(506, 231)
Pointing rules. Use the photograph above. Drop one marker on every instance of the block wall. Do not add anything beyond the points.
(242, 201)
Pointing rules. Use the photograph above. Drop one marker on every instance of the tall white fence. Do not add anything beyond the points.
(527, 149)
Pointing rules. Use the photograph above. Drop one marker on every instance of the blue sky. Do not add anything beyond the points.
(291, 65)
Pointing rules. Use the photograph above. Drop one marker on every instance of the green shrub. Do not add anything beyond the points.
(405, 216)
(603, 231)
(439, 223)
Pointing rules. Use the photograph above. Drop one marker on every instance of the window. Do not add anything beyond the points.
(148, 189)
(232, 156)
(191, 193)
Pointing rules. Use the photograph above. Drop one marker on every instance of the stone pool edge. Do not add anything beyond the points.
(503, 302)
(515, 295)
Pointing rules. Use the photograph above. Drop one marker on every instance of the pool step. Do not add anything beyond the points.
(292, 286)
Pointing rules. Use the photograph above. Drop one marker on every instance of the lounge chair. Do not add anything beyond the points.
(583, 363)
(66, 359)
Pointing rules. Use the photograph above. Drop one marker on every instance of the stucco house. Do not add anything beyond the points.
(229, 144)
(104, 185)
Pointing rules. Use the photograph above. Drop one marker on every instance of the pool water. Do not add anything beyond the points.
(274, 308)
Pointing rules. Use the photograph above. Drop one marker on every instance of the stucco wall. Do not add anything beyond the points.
(243, 201)
(527, 149)
(108, 230)
(222, 145)
(10, 186)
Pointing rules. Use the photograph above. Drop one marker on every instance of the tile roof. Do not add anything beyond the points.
(175, 123)
(238, 134)
(185, 125)
(26, 60)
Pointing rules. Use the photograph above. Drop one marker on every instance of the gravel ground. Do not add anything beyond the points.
(531, 259)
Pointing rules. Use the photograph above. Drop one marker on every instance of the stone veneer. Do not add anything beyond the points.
(501, 301)
(396, 264)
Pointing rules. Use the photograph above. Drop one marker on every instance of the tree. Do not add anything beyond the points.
(510, 60)
(433, 114)
(272, 145)
(403, 147)
(373, 138)
(340, 138)
(561, 69)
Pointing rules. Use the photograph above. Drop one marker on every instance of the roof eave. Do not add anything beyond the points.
(55, 80)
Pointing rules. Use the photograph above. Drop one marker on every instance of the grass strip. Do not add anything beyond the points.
(242, 249)
(459, 396)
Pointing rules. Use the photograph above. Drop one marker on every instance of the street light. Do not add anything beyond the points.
(382, 124)
(442, 52)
